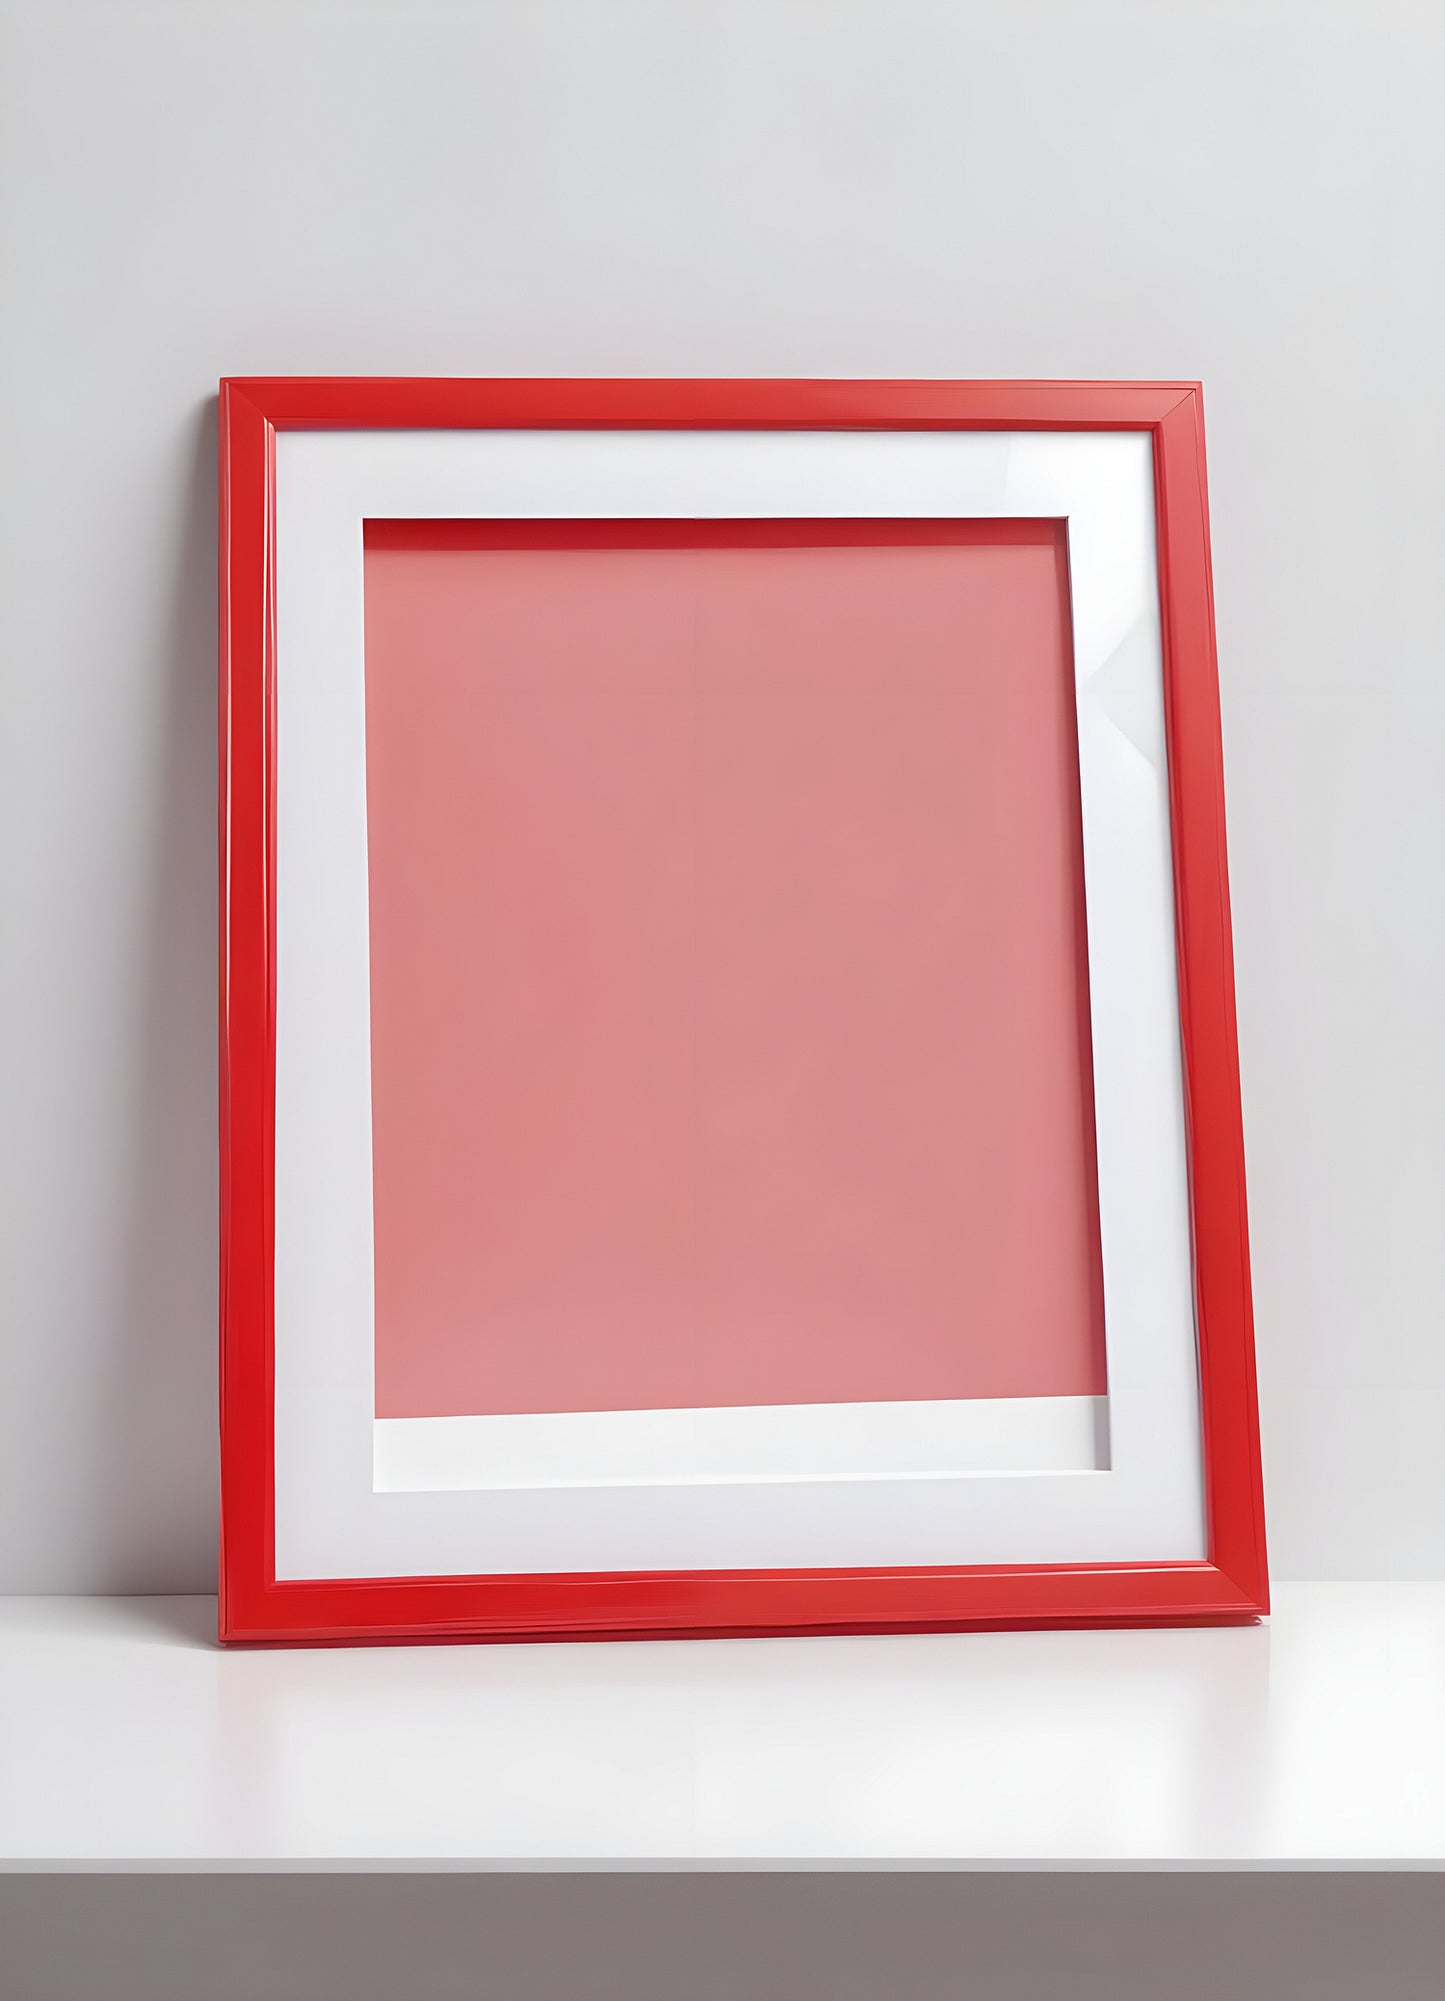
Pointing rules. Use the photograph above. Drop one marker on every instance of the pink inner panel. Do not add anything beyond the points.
(729, 1004)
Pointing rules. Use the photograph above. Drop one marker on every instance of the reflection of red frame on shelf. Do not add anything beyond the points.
(1231, 1585)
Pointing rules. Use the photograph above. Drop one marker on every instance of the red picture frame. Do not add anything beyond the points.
(1230, 1585)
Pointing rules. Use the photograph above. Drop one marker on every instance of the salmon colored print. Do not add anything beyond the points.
(729, 1003)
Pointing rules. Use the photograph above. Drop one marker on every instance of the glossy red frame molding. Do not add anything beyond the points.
(1231, 1585)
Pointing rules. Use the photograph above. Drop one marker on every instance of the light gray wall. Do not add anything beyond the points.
(1246, 191)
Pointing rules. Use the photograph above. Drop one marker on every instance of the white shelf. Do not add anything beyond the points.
(1317, 1741)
